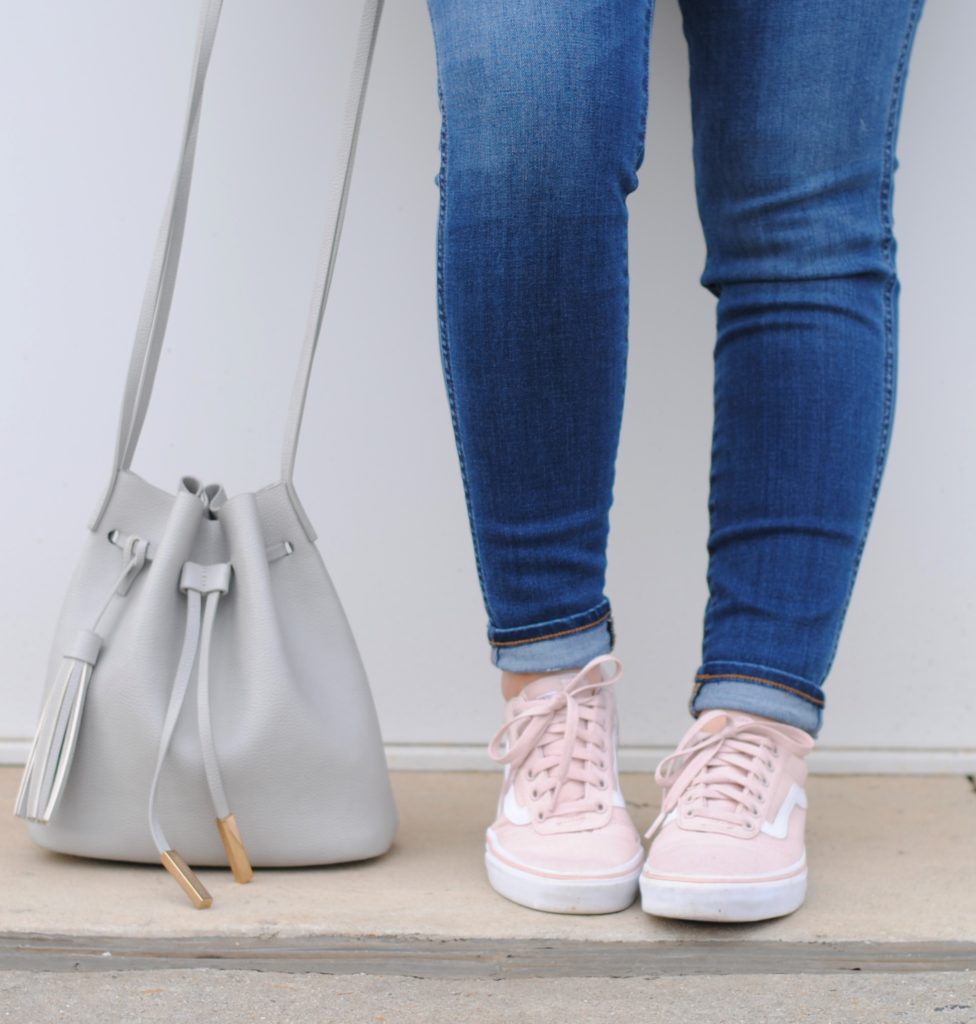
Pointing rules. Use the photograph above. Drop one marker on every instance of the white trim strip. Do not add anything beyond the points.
(419, 757)
(822, 761)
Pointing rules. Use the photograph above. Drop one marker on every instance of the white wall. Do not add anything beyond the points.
(92, 100)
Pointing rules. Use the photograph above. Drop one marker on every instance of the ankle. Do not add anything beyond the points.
(512, 683)
(716, 723)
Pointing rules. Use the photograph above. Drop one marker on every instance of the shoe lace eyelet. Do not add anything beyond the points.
(539, 816)
(535, 794)
(601, 806)
(602, 784)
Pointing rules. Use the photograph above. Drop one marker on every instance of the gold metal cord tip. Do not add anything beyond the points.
(188, 880)
(237, 857)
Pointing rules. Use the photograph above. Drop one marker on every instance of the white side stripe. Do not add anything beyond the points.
(514, 811)
(796, 797)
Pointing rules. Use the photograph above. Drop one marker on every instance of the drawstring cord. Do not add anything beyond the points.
(198, 582)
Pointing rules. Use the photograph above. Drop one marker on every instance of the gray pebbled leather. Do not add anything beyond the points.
(294, 723)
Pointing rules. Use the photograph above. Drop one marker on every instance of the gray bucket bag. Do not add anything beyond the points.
(285, 730)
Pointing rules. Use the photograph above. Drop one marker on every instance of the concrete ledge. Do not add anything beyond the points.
(890, 861)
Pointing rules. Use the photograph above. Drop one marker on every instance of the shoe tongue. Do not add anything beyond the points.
(547, 688)
(712, 721)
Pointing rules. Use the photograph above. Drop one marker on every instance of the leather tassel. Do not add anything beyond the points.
(55, 739)
(56, 735)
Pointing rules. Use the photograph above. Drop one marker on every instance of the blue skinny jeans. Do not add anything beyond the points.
(795, 109)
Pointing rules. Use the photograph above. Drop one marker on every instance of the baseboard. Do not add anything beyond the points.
(822, 761)
(417, 757)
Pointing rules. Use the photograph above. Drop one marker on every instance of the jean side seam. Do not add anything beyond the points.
(444, 348)
(891, 284)
(645, 87)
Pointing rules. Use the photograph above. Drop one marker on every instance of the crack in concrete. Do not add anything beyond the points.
(420, 957)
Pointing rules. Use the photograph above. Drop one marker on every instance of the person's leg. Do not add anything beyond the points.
(795, 109)
(543, 108)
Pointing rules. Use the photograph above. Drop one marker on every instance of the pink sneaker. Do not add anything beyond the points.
(730, 835)
(563, 840)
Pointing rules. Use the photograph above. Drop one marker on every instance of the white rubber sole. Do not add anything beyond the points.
(712, 901)
(563, 895)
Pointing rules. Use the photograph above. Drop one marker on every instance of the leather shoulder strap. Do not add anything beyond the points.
(158, 297)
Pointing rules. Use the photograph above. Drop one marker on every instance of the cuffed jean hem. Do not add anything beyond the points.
(562, 646)
(738, 686)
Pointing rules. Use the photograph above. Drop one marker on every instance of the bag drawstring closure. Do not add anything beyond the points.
(203, 586)
(55, 740)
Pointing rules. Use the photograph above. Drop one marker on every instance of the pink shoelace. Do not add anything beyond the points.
(562, 737)
(722, 774)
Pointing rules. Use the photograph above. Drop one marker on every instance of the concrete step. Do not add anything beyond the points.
(891, 861)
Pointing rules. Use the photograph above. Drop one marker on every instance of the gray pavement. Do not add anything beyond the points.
(243, 997)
